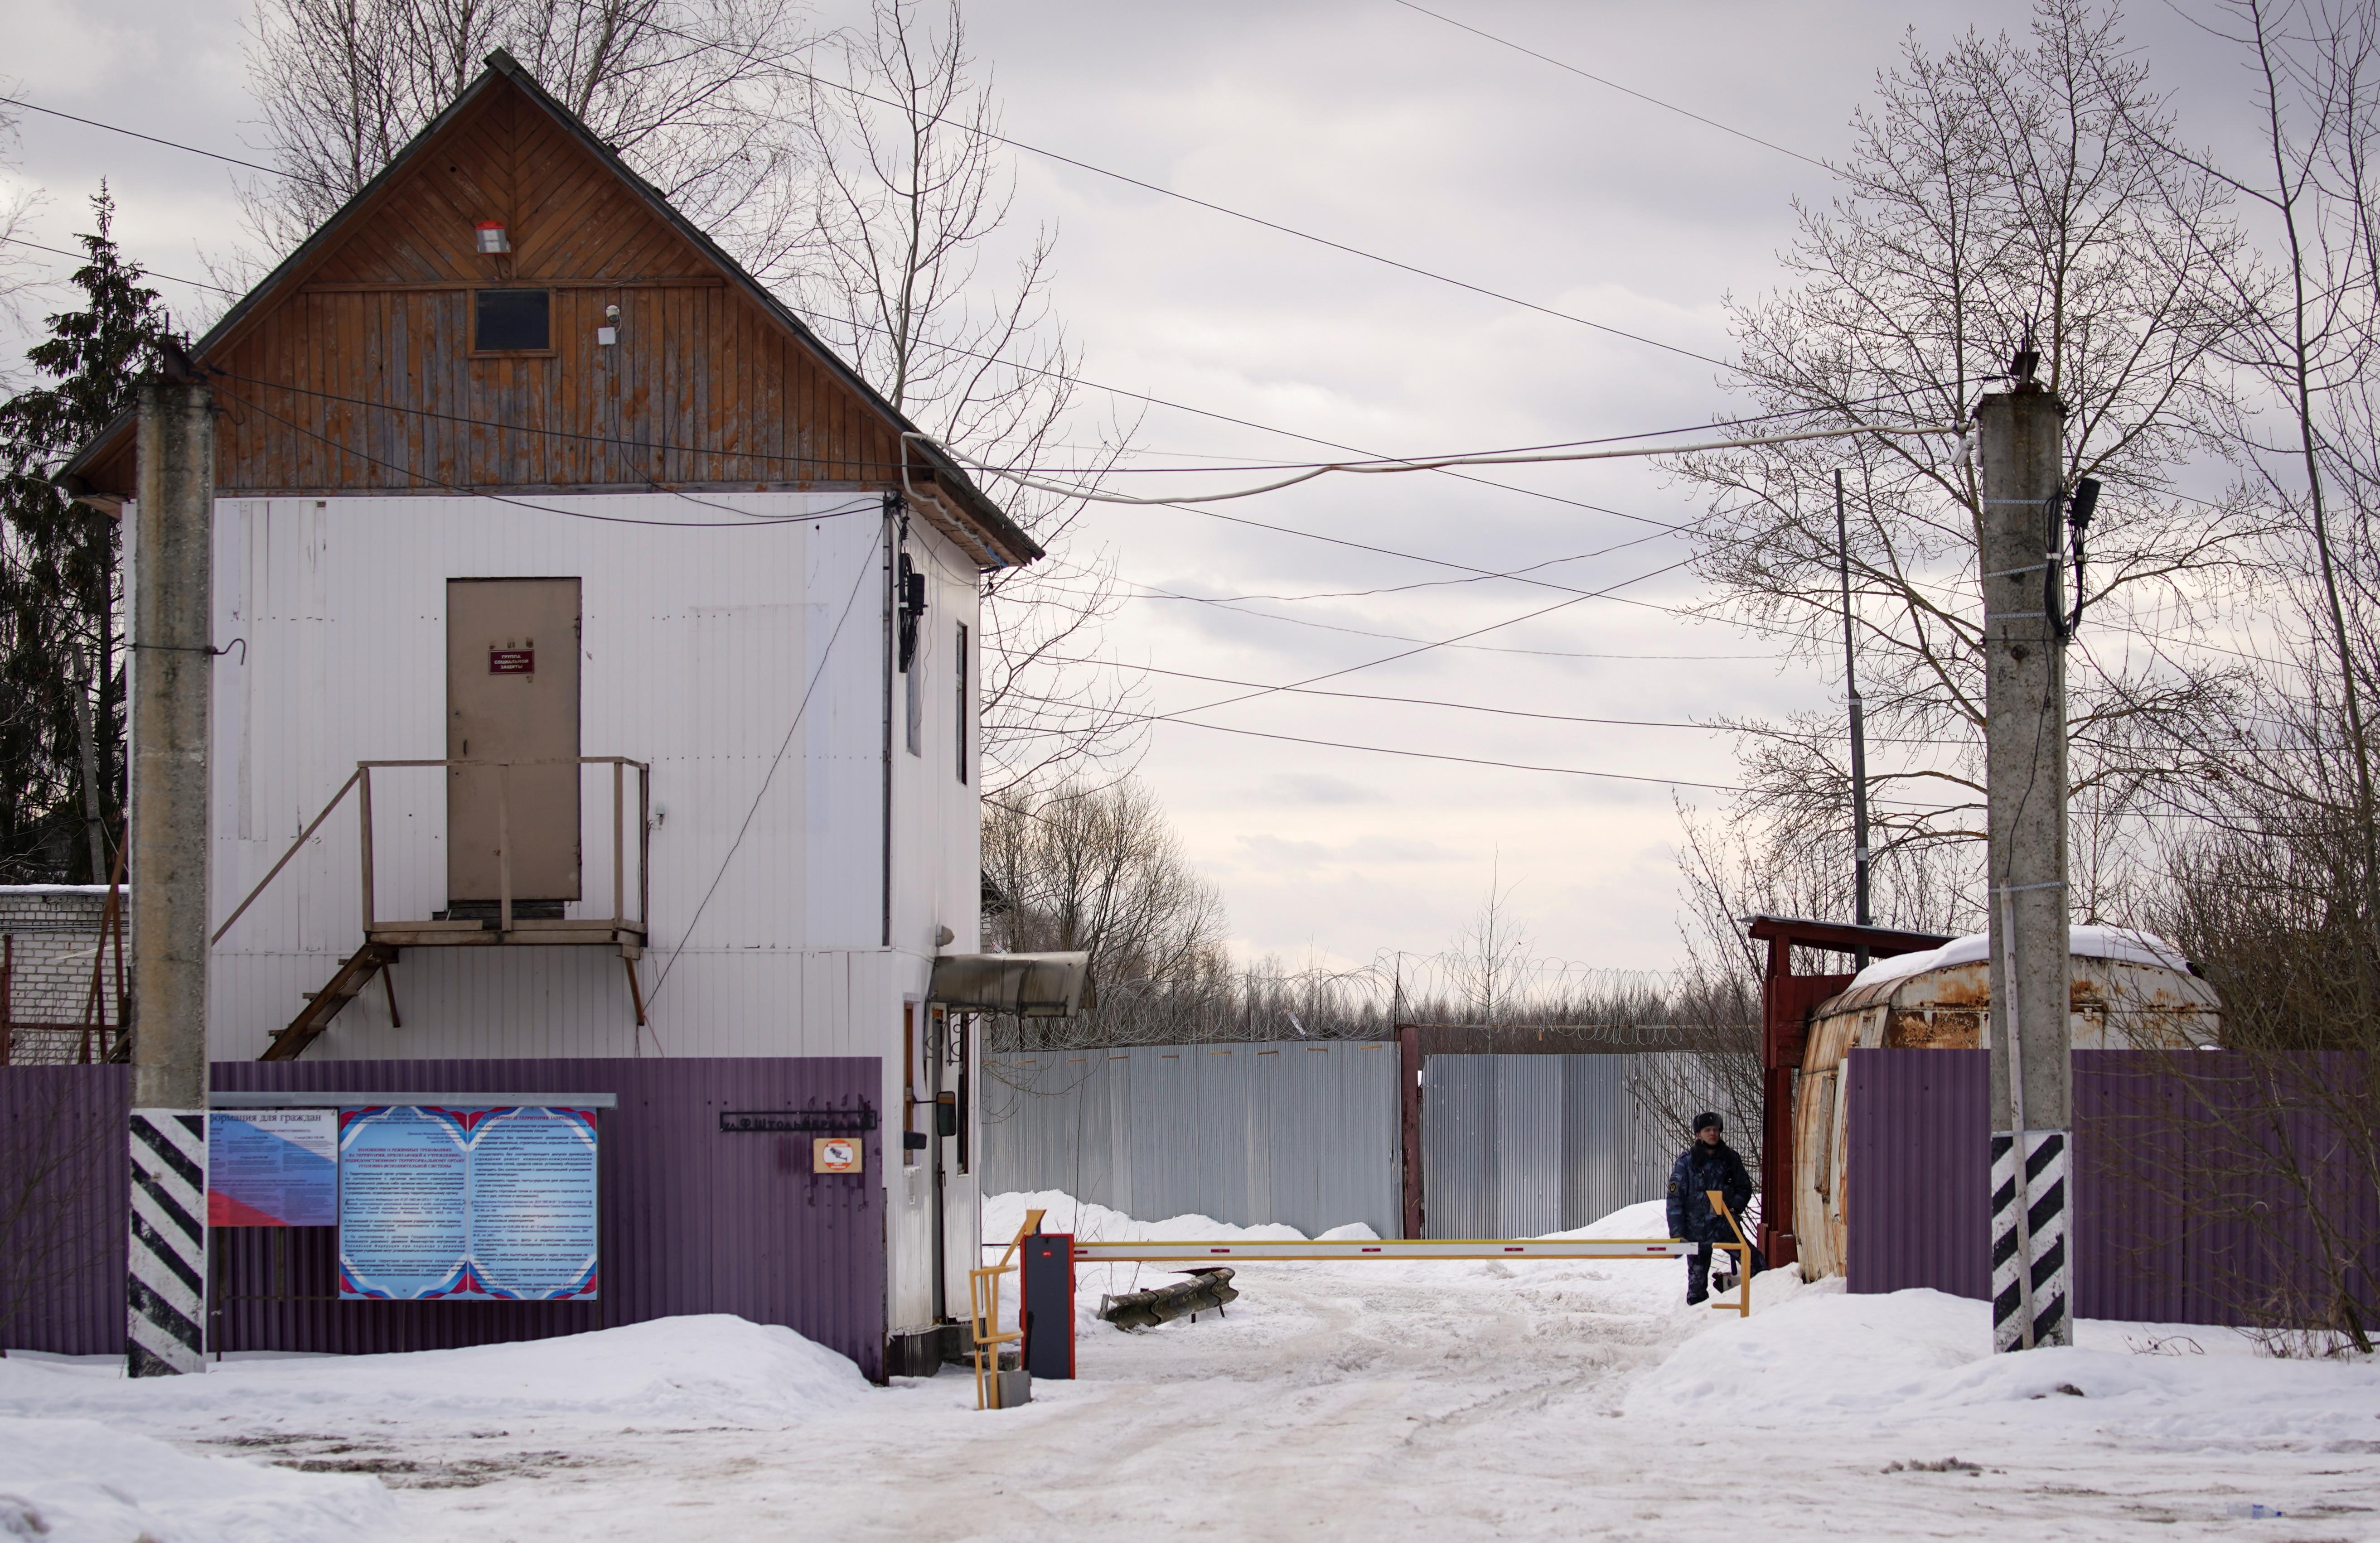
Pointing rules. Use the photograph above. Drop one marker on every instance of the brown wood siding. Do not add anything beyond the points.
(359, 376)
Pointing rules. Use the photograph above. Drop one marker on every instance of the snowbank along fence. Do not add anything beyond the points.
(1250, 1133)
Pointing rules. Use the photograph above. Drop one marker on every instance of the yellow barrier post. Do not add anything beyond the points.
(983, 1307)
(1742, 1249)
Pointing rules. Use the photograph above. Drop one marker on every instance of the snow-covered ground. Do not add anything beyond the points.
(1530, 1400)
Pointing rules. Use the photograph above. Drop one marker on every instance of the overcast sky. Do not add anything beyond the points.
(1388, 130)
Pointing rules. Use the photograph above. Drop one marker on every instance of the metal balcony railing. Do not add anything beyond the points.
(621, 928)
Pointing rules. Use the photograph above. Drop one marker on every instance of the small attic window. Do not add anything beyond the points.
(513, 321)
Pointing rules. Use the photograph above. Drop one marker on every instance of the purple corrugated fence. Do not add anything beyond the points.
(2159, 1184)
(693, 1219)
(64, 1170)
(1919, 1126)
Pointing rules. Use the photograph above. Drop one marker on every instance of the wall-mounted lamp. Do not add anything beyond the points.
(493, 239)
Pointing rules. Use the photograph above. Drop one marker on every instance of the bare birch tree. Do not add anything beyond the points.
(2001, 193)
(910, 191)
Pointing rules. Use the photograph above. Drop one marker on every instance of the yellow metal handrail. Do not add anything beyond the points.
(983, 1307)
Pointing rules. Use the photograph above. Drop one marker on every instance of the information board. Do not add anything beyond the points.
(272, 1168)
(466, 1204)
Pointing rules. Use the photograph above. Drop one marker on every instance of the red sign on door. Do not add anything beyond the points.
(512, 661)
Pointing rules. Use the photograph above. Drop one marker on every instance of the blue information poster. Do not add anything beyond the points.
(272, 1168)
(401, 1230)
(532, 1204)
(466, 1204)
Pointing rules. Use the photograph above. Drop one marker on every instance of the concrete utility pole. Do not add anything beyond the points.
(1860, 911)
(173, 665)
(2023, 456)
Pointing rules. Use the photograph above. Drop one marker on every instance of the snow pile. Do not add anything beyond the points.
(77, 1481)
(1089, 1221)
(1886, 1362)
(708, 1371)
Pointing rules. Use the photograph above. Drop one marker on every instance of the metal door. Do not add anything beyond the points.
(511, 716)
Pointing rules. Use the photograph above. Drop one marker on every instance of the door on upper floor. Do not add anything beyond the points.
(512, 720)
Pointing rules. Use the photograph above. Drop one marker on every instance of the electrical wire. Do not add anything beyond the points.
(982, 133)
(1427, 647)
(143, 272)
(1462, 707)
(858, 582)
(1435, 464)
(749, 521)
(1625, 91)
(1377, 464)
(1507, 765)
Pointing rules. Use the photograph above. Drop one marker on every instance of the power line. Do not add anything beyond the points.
(1385, 467)
(1014, 144)
(749, 521)
(1146, 592)
(144, 272)
(1481, 760)
(1518, 575)
(858, 582)
(1429, 755)
(1427, 647)
(1463, 707)
(169, 144)
(1625, 91)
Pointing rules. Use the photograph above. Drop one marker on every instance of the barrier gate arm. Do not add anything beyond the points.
(1198, 1251)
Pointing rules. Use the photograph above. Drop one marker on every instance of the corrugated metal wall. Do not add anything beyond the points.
(2148, 1245)
(1511, 1145)
(694, 1220)
(1244, 1133)
(1918, 1125)
(1516, 1146)
(64, 1164)
(701, 645)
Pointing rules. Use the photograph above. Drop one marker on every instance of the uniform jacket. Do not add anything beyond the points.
(1701, 1168)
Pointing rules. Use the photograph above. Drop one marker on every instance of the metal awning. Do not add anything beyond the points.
(1031, 985)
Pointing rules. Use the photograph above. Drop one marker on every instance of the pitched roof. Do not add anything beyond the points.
(991, 529)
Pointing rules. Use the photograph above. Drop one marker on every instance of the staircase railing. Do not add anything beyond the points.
(361, 783)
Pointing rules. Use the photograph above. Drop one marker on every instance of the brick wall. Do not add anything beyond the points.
(51, 932)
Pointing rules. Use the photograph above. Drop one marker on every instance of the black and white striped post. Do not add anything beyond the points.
(172, 666)
(166, 1275)
(2021, 452)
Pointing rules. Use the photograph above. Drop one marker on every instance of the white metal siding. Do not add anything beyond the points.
(699, 646)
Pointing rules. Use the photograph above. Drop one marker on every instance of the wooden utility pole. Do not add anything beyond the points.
(173, 663)
(2022, 462)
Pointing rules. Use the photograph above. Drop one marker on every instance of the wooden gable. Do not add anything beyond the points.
(352, 369)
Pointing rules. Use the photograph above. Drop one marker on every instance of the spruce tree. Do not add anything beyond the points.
(61, 673)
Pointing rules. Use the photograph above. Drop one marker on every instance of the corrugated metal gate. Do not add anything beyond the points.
(1302, 1134)
(1517, 1146)
(1511, 1145)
